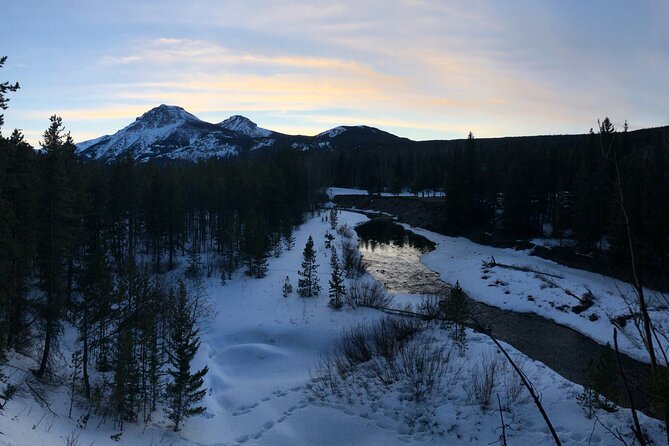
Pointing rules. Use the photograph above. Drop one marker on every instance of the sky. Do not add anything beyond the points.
(423, 69)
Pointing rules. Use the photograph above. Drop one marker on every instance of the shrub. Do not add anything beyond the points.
(394, 353)
(345, 232)
(493, 375)
(431, 308)
(365, 293)
(484, 377)
(352, 261)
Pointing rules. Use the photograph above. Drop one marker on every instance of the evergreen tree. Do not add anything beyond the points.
(93, 312)
(125, 392)
(587, 210)
(289, 239)
(287, 288)
(184, 391)
(132, 297)
(194, 268)
(337, 288)
(5, 87)
(456, 311)
(333, 219)
(398, 181)
(308, 285)
(256, 246)
(57, 201)
(17, 237)
(328, 240)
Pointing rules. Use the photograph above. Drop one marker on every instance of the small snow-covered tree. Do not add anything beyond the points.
(289, 240)
(456, 312)
(308, 285)
(287, 287)
(337, 288)
(184, 390)
(195, 269)
(328, 240)
(333, 218)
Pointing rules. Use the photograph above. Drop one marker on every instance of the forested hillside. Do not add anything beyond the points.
(565, 187)
(84, 244)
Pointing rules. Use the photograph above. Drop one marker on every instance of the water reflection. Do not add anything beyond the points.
(393, 257)
(383, 233)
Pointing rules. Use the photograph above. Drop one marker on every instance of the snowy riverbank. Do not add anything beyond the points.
(262, 350)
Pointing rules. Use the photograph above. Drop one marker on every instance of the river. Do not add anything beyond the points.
(393, 258)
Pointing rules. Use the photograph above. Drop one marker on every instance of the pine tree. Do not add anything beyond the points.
(337, 287)
(184, 389)
(287, 288)
(56, 243)
(133, 292)
(333, 218)
(93, 311)
(125, 391)
(328, 240)
(5, 87)
(194, 268)
(289, 239)
(456, 311)
(308, 285)
(17, 237)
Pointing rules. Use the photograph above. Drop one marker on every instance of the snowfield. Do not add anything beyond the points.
(543, 287)
(334, 191)
(263, 350)
(546, 288)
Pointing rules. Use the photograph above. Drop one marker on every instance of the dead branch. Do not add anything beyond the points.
(526, 382)
(636, 426)
(42, 400)
(501, 416)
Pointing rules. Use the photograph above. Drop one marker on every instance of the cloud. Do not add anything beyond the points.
(427, 66)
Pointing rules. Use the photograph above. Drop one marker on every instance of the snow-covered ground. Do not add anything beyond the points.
(334, 191)
(543, 287)
(263, 349)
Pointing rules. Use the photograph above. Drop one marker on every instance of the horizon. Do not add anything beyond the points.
(417, 69)
(219, 121)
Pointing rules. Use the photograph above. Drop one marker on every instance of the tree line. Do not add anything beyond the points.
(83, 244)
(562, 186)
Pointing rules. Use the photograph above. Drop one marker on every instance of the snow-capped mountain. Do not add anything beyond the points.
(163, 132)
(240, 124)
(171, 133)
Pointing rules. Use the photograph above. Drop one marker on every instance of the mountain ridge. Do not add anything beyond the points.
(169, 132)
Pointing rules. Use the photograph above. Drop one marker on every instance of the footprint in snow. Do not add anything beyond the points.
(244, 409)
(243, 439)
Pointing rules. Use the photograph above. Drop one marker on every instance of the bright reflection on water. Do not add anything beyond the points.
(393, 257)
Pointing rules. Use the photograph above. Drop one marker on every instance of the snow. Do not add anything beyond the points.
(334, 191)
(299, 146)
(336, 131)
(171, 132)
(264, 144)
(263, 349)
(245, 126)
(154, 125)
(543, 290)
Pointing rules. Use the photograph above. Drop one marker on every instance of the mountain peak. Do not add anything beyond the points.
(165, 115)
(332, 132)
(168, 132)
(242, 124)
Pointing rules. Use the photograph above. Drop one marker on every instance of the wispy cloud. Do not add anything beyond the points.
(429, 66)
